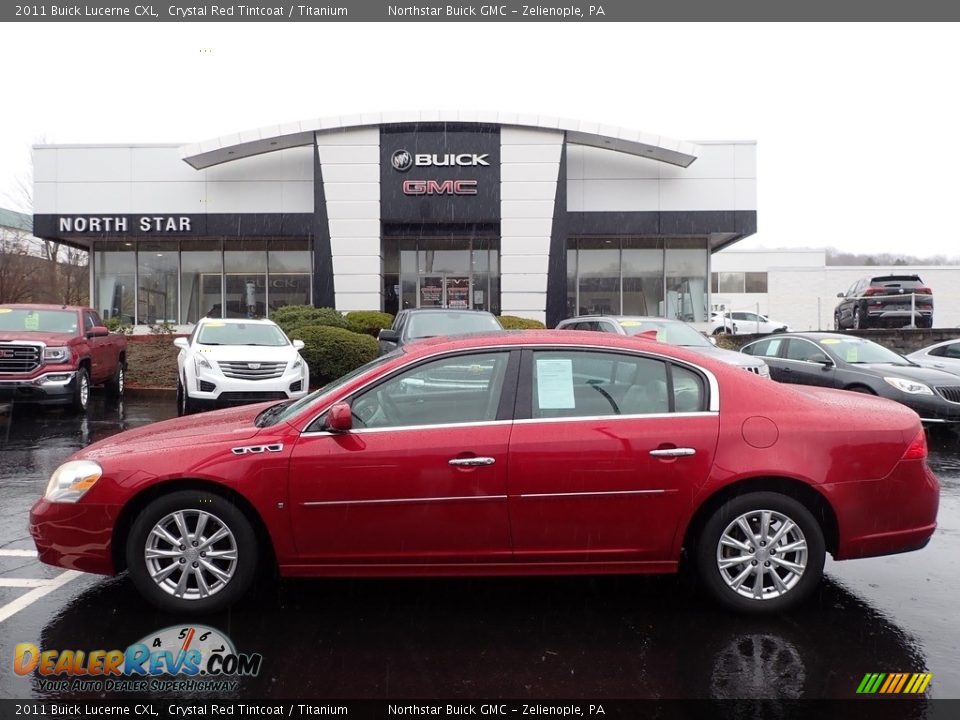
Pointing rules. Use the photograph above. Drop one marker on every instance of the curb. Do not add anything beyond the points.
(134, 391)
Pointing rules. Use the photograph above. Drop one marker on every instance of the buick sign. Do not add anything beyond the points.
(401, 160)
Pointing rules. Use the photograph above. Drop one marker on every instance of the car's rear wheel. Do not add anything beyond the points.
(115, 385)
(859, 322)
(192, 551)
(761, 552)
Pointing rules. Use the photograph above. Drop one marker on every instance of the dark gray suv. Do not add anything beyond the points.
(415, 324)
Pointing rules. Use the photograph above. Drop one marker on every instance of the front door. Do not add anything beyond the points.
(613, 450)
(445, 291)
(422, 477)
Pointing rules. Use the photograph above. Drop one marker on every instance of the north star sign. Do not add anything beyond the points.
(121, 224)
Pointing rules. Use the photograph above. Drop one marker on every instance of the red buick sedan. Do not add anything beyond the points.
(513, 454)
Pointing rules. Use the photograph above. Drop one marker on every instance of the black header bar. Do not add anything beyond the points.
(496, 11)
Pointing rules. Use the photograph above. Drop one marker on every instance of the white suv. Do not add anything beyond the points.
(232, 362)
(745, 323)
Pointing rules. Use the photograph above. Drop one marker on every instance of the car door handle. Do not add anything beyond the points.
(939, 365)
(673, 452)
(471, 461)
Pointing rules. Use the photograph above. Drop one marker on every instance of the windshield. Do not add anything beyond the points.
(24, 320)
(672, 333)
(283, 411)
(857, 350)
(216, 333)
(423, 325)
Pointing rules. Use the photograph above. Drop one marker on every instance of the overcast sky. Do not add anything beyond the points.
(855, 124)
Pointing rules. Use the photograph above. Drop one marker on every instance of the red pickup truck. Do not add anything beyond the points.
(54, 354)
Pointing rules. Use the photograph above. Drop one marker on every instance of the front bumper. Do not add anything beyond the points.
(50, 388)
(214, 390)
(931, 408)
(74, 535)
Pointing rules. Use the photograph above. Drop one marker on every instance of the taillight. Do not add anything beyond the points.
(874, 291)
(923, 291)
(918, 448)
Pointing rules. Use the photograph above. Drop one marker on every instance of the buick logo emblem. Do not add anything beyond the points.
(402, 160)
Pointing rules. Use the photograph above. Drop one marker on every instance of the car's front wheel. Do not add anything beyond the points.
(761, 552)
(81, 391)
(192, 551)
(185, 406)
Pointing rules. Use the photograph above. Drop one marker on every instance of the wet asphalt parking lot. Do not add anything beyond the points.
(542, 638)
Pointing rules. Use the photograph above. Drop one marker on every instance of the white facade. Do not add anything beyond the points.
(802, 289)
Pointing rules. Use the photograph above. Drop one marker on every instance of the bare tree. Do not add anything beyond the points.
(20, 271)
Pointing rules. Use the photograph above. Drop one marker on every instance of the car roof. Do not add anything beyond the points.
(236, 321)
(621, 318)
(448, 311)
(43, 306)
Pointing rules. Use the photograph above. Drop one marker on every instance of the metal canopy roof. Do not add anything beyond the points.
(278, 137)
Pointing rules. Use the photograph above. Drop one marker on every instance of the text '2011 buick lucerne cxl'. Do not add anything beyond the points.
(540, 452)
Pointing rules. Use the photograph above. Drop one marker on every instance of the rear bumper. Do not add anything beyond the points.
(50, 388)
(884, 517)
(74, 535)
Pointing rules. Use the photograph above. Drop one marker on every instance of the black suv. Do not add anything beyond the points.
(415, 324)
(885, 301)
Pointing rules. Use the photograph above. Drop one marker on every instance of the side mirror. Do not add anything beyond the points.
(840, 295)
(182, 343)
(825, 361)
(340, 418)
(97, 331)
(388, 335)
(298, 344)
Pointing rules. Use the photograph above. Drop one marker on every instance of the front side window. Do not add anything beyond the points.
(451, 390)
(804, 351)
(950, 351)
(570, 383)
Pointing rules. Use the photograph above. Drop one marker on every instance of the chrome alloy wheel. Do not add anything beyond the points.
(84, 390)
(762, 555)
(191, 554)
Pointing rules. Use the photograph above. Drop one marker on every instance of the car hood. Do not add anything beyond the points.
(193, 430)
(47, 338)
(727, 356)
(922, 374)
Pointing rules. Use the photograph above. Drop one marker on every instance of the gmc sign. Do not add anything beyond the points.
(439, 187)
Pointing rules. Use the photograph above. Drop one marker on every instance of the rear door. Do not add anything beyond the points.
(606, 451)
(770, 350)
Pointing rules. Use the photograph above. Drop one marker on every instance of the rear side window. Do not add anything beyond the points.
(598, 384)
(949, 351)
(764, 348)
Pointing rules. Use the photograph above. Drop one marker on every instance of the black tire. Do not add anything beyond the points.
(859, 322)
(722, 330)
(836, 322)
(81, 391)
(185, 406)
(115, 385)
(220, 511)
(799, 588)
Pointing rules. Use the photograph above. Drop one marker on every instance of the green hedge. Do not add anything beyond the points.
(331, 351)
(290, 317)
(512, 322)
(369, 322)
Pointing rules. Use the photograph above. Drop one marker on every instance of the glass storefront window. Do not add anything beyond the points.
(157, 277)
(599, 281)
(115, 268)
(245, 278)
(290, 272)
(685, 266)
(642, 263)
(201, 280)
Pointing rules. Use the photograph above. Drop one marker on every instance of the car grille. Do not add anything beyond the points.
(244, 370)
(950, 393)
(251, 396)
(19, 358)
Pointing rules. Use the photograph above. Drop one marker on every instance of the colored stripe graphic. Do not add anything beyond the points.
(894, 683)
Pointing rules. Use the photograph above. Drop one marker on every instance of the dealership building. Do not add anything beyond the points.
(517, 214)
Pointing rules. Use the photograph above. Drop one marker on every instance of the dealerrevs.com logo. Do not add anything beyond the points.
(177, 658)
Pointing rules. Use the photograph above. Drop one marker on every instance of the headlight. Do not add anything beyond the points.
(297, 363)
(202, 362)
(764, 370)
(71, 480)
(56, 354)
(911, 387)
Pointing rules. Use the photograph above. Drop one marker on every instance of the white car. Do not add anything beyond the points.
(745, 323)
(941, 356)
(232, 362)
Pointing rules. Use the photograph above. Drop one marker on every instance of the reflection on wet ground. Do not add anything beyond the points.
(612, 637)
